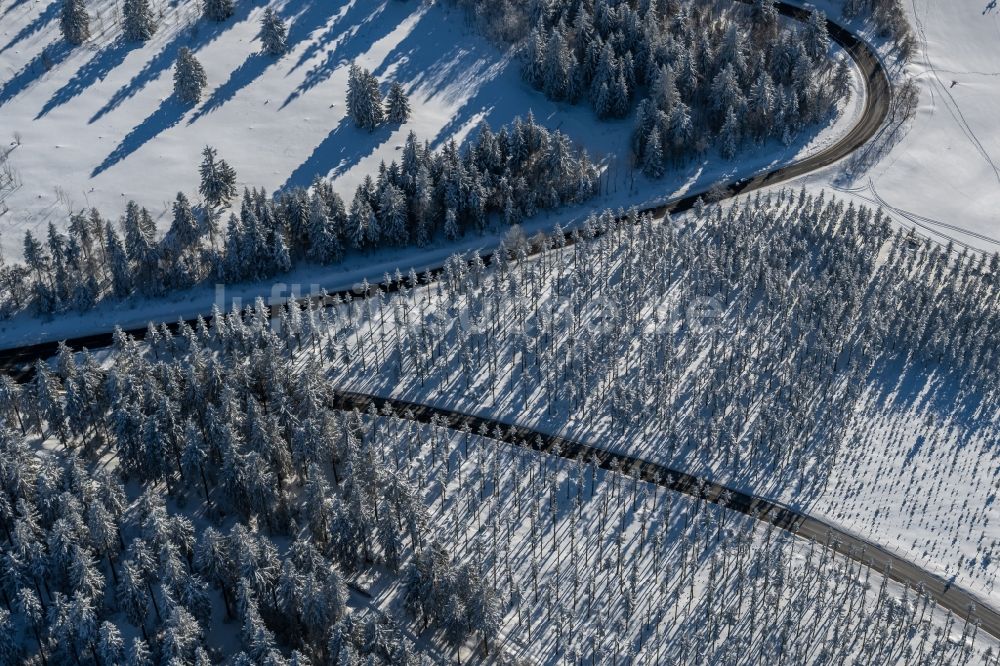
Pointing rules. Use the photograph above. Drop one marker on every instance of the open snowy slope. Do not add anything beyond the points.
(943, 177)
(97, 125)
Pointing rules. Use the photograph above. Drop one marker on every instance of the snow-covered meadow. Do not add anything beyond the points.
(940, 173)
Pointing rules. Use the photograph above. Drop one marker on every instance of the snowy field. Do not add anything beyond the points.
(97, 125)
(943, 176)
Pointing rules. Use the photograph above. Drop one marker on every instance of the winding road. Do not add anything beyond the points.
(17, 362)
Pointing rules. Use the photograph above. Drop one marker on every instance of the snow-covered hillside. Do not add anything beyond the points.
(943, 177)
(96, 125)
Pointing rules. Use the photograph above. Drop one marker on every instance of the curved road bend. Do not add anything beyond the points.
(17, 362)
(946, 594)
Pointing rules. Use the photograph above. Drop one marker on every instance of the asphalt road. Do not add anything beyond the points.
(17, 361)
(946, 594)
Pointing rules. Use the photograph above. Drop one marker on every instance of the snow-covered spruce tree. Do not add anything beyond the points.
(729, 135)
(218, 179)
(652, 160)
(218, 10)
(397, 104)
(273, 33)
(189, 77)
(324, 244)
(121, 275)
(364, 100)
(451, 230)
(184, 228)
(74, 22)
(139, 24)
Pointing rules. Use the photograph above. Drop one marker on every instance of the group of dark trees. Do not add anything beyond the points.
(714, 74)
(364, 100)
(890, 19)
(214, 418)
(509, 174)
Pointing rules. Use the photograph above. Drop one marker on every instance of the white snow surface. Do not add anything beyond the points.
(943, 177)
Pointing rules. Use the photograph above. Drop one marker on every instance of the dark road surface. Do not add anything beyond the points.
(17, 361)
(946, 594)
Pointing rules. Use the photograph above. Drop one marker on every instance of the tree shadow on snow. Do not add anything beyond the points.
(238, 79)
(432, 70)
(200, 34)
(50, 12)
(98, 67)
(342, 149)
(51, 56)
(12, 6)
(304, 17)
(307, 18)
(436, 66)
(169, 114)
(349, 36)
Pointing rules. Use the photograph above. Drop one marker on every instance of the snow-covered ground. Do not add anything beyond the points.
(634, 569)
(942, 176)
(97, 126)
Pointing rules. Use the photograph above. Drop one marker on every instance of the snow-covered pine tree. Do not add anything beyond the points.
(557, 67)
(397, 104)
(138, 22)
(218, 10)
(375, 109)
(393, 215)
(652, 155)
(121, 275)
(280, 258)
(110, 646)
(359, 219)
(218, 179)
(273, 33)
(451, 225)
(324, 245)
(817, 35)
(74, 22)
(137, 653)
(729, 135)
(364, 100)
(355, 93)
(184, 228)
(189, 77)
